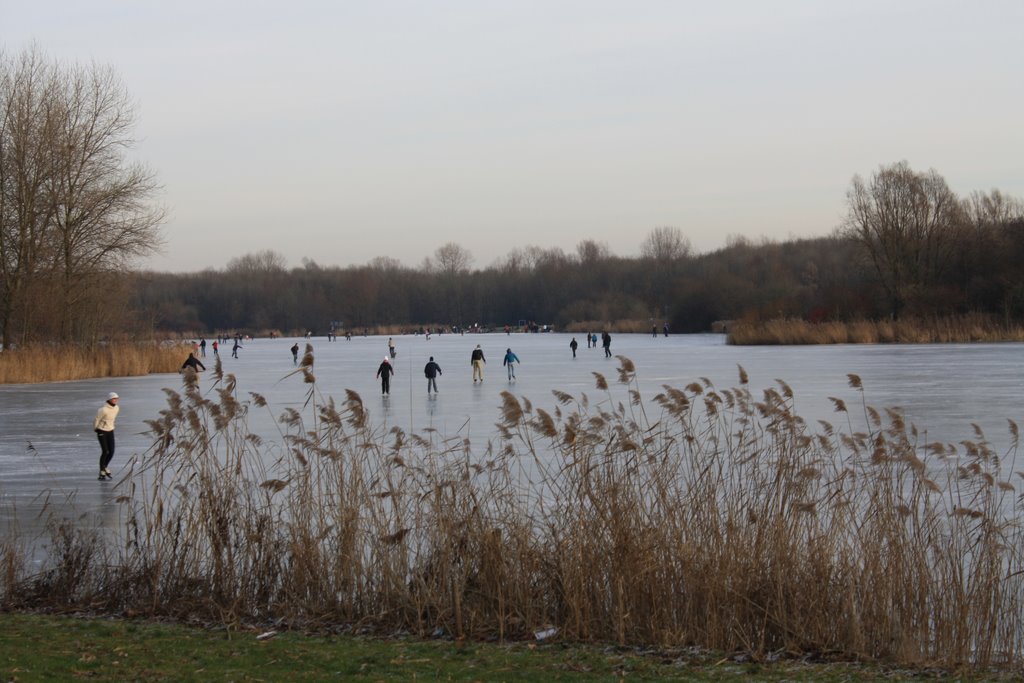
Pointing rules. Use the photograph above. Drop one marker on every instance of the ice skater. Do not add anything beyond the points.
(574, 345)
(384, 372)
(477, 360)
(103, 425)
(295, 354)
(431, 370)
(510, 361)
(192, 362)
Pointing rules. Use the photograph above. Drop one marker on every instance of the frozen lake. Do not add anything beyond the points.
(49, 451)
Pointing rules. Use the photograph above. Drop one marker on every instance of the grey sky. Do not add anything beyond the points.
(341, 131)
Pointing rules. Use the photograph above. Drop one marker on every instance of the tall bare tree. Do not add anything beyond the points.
(665, 244)
(74, 209)
(27, 84)
(664, 249)
(909, 224)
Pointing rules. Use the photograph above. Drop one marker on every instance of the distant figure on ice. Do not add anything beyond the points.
(384, 372)
(216, 346)
(606, 342)
(665, 327)
(654, 331)
(391, 347)
(103, 425)
(573, 345)
(593, 339)
(202, 347)
(477, 360)
(295, 354)
(234, 349)
(192, 362)
(510, 360)
(431, 370)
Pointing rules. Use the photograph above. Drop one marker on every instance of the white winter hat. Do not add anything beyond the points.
(112, 395)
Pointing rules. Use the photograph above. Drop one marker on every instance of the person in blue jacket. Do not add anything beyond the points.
(510, 360)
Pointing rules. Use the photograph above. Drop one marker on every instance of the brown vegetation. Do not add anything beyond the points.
(724, 523)
(70, 362)
(958, 329)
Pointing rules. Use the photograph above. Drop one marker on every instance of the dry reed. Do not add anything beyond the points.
(960, 329)
(63, 363)
(723, 521)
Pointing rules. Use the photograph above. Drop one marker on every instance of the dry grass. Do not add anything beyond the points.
(723, 522)
(962, 329)
(63, 363)
(630, 326)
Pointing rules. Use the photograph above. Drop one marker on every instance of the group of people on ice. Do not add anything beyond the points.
(431, 370)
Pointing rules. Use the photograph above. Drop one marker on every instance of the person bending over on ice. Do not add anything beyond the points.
(192, 362)
(477, 360)
(510, 360)
(431, 370)
(384, 372)
(103, 425)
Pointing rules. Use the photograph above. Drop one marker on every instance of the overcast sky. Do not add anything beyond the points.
(341, 131)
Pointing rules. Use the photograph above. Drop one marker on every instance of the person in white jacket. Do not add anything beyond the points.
(103, 425)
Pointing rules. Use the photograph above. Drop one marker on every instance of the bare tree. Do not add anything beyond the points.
(452, 258)
(26, 86)
(451, 262)
(592, 251)
(665, 244)
(909, 224)
(266, 261)
(66, 184)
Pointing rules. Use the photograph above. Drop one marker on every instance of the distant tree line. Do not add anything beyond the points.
(908, 246)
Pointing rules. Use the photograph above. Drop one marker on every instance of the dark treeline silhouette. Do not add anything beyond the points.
(907, 247)
(827, 278)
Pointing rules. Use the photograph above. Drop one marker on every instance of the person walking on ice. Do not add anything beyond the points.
(606, 342)
(431, 370)
(477, 360)
(295, 354)
(510, 362)
(391, 347)
(103, 425)
(573, 345)
(384, 372)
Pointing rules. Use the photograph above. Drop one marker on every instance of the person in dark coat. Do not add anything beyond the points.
(295, 354)
(431, 370)
(573, 345)
(606, 342)
(193, 362)
(384, 372)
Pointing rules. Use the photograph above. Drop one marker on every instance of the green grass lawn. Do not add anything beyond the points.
(37, 648)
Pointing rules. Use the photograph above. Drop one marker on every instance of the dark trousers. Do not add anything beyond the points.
(385, 384)
(106, 448)
(431, 383)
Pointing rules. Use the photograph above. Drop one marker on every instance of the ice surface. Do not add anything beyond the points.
(49, 452)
